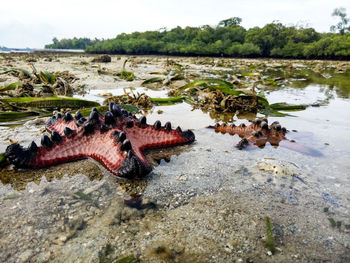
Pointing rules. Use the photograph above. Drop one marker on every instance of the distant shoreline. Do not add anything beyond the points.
(80, 51)
(37, 50)
(53, 50)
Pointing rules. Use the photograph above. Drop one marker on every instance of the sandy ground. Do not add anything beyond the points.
(208, 204)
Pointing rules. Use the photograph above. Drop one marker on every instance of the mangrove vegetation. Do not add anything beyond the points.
(228, 39)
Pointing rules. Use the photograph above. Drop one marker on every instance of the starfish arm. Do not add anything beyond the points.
(144, 137)
(104, 149)
(241, 130)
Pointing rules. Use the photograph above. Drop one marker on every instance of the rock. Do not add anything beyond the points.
(102, 59)
(278, 167)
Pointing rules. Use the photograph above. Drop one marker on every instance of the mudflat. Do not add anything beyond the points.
(205, 202)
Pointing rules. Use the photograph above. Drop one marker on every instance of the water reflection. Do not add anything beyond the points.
(18, 179)
(302, 78)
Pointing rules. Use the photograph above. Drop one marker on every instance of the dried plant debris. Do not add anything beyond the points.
(67, 76)
(17, 72)
(36, 92)
(143, 101)
(38, 84)
(222, 96)
(139, 100)
(217, 101)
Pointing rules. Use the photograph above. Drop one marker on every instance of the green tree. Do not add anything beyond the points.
(270, 36)
(229, 38)
(343, 25)
(74, 43)
(233, 21)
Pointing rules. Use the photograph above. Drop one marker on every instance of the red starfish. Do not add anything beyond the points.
(116, 140)
(259, 133)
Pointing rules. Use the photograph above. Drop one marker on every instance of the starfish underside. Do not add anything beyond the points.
(116, 140)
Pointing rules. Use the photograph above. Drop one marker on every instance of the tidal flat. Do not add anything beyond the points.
(204, 202)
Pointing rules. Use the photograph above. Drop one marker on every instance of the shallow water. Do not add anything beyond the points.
(72, 212)
(325, 129)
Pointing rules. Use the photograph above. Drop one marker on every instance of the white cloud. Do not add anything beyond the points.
(34, 23)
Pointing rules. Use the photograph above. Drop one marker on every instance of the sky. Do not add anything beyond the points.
(34, 23)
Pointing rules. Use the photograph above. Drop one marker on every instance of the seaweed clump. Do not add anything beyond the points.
(217, 101)
(270, 240)
(139, 100)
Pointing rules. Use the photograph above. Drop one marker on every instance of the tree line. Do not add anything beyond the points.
(228, 39)
(72, 43)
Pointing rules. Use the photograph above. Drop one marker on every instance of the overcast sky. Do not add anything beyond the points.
(33, 23)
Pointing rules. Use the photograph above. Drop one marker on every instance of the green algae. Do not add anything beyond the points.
(240, 170)
(287, 107)
(127, 259)
(332, 222)
(3, 161)
(152, 80)
(10, 196)
(87, 111)
(167, 101)
(17, 71)
(11, 86)
(339, 223)
(129, 108)
(49, 102)
(38, 106)
(335, 224)
(212, 84)
(103, 254)
(83, 196)
(47, 77)
(270, 240)
(126, 75)
(8, 116)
